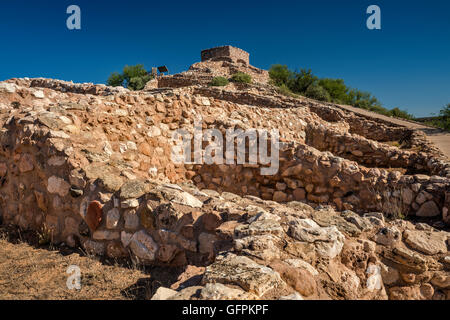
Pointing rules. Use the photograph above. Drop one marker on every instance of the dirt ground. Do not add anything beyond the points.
(39, 273)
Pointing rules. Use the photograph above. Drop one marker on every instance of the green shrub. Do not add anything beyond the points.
(241, 77)
(219, 82)
(280, 75)
(396, 112)
(301, 81)
(132, 77)
(284, 90)
(336, 88)
(317, 92)
(333, 90)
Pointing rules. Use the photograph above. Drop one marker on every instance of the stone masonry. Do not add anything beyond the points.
(349, 214)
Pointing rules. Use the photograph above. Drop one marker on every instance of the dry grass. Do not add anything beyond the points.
(28, 272)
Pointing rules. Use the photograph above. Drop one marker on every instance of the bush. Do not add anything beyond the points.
(396, 112)
(132, 77)
(241, 77)
(336, 88)
(219, 82)
(332, 90)
(280, 75)
(301, 81)
(284, 90)
(317, 92)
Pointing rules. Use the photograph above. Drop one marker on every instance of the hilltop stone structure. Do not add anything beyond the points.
(358, 209)
(226, 53)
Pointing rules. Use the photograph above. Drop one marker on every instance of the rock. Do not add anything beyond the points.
(374, 278)
(154, 132)
(389, 275)
(58, 186)
(427, 242)
(241, 271)
(404, 293)
(427, 291)
(115, 250)
(8, 87)
(259, 227)
(206, 243)
(407, 259)
(94, 215)
(129, 204)
(327, 241)
(299, 279)
(218, 291)
(133, 189)
(262, 246)
(94, 247)
(388, 236)
(361, 223)
(301, 264)
(131, 220)
(125, 238)
(441, 280)
(26, 163)
(39, 94)
(279, 196)
(327, 218)
(105, 235)
(143, 246)
(407, 196)
(112, 218)
(299, 194)
(163, 294)
(181, 197)
(428, 209)
(293, 296)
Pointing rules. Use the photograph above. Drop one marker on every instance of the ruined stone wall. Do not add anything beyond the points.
(96, 169)
(227, 53)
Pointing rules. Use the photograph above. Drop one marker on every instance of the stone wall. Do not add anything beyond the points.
(226, 53)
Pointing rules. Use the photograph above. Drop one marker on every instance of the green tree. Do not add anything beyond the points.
(280, 74)
(317, 92)
(445, 112)
(336, 88)
(132, 77)
(301, 81)
(115, 79)
(396, 112)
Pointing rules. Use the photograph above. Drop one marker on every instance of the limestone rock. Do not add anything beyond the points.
(143, 246)
(241, 271)
(218, 291)
(327, 241)
(427, 242)
(58, 186)
(428, 209)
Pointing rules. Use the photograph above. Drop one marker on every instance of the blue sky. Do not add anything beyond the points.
(406, 64)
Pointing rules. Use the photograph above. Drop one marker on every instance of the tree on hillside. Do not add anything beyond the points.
(132, 77)
(302, 80)
(280, 74)
(336, 88)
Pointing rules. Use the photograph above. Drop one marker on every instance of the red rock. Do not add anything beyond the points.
(94, 215)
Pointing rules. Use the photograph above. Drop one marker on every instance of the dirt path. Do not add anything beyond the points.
(439, 137)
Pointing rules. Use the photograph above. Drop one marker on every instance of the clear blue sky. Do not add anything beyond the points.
(406, 64)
